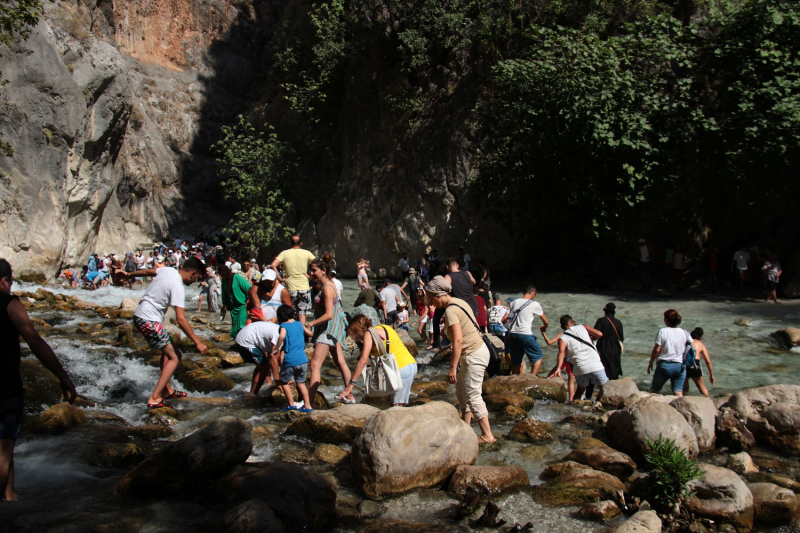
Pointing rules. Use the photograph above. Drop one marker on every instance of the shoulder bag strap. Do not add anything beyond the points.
(592, 346)
(376, 339)
(613, 326)
(468, 316)
(517, 313)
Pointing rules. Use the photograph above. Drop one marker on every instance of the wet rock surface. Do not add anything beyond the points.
(490, 481)
(772, 414)
(527, 384)
(721, 495)
(649, 418)
(340, 425)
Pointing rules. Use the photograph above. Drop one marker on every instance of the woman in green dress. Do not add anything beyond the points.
(234, 297)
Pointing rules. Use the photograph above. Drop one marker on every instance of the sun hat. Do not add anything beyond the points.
(412, 271)
(438, 286)
(270, 275)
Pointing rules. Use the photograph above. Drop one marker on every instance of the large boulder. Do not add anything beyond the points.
(732, 432)
(184, 465)
(772, 414)
(129, 304)
(616, 391)
(403, 448)
(641, 522)
(604, 510)
(722, 496)
(528, 384)
(206, 380)
(628, 428)
(491, 481)
(41, 387)
(57, 420)
(576, 486)
(605, 459)
(788, 337)
(253, 516)
(772, 504)
(336, 426)
(701, 414)
(302, 500)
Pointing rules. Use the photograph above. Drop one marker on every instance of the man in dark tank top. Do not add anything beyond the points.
(463, 284)
(14, 322)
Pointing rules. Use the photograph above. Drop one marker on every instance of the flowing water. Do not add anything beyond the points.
(60, 491)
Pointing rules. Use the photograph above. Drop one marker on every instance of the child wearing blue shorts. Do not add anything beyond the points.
(292, 359)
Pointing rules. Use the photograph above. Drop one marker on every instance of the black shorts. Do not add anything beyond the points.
(694, 372)
(772, 285)
(391, 318)
(11, 410)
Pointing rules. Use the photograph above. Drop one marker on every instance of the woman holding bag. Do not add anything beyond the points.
(361, 331)
(469, 349)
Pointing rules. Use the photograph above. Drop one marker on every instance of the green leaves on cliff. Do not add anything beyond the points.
(17, 17)
(254, 167)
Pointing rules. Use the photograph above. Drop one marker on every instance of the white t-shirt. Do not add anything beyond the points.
(339, 287)
(584, 359)
(677, 261)
(166, 289)
(261, 335)
(106, 265)
(390, 297)
(673, 344)
(139, 261)
(644, 254)
(741, 258)
(236, 267)
(525, 318)
(150, 261)
(403, 264)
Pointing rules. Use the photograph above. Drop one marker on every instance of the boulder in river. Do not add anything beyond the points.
(408, 342)
(403, 448)
(742, 463)
(498, 402)
(340, 425)
(772, 504)
(129, 304)
(616, 391)
(788, 338)
(605, 459)
(731, 431)
(490, 481)
(628, 428)
(532, 430)
(302, 500)
(701, 414)
(57, 420)
(206, 380)
(41, 387)
(528, 384)
(253, 516)
(117, 455)
(604, 510)
(772, 414)
(190, 462)
(556, 469)
(641, 522)
(576, 486)
(722, 496)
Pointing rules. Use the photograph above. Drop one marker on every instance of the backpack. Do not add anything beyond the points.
(690, 360)
(495, 314)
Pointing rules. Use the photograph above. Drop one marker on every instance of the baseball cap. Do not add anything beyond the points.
(270, 275)
(412, 271)
(610, 306)
(160, 258)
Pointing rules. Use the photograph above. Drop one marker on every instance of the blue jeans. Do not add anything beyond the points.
(497, 329)
(674, 372)
(407, 374)
(527, 345)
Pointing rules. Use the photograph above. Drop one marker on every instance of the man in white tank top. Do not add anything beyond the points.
(575, 346)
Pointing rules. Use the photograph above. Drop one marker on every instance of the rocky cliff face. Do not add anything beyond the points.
(112, 109)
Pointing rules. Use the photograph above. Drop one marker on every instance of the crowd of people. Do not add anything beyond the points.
(276, 308)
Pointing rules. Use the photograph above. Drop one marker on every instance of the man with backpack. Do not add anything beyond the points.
(497, 315)
(575, 346)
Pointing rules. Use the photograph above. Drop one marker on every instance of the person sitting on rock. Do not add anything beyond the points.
(576, 346)
(255, 343)
(290, 355)
(167, 288)
(15, 323)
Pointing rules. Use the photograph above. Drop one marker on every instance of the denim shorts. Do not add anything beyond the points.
(519, 345)
(407, 374)
(674, 372)
(294, 373)
(497, 329)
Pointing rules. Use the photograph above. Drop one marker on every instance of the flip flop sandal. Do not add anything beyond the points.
(482, 440)
(162, 403)
(176, 394)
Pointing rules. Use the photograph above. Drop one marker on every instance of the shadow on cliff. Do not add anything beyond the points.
(235, 84)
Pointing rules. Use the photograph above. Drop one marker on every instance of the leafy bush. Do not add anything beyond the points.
(669, 473)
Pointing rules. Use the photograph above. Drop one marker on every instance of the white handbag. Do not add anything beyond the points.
(382, 375)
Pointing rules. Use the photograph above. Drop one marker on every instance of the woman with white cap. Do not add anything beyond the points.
(469, 358)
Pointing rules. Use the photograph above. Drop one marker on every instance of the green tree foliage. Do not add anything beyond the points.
(692, 124)
(17, 17)
(669, 473)
(255, 167)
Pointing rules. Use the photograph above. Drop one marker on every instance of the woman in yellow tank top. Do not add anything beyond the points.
(358, 330)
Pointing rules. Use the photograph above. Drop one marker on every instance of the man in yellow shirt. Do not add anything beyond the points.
(296, 261)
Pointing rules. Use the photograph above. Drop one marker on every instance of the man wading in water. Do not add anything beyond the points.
(14, 322)
(167, 288)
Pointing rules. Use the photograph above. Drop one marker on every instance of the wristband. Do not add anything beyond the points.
(352, 382)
